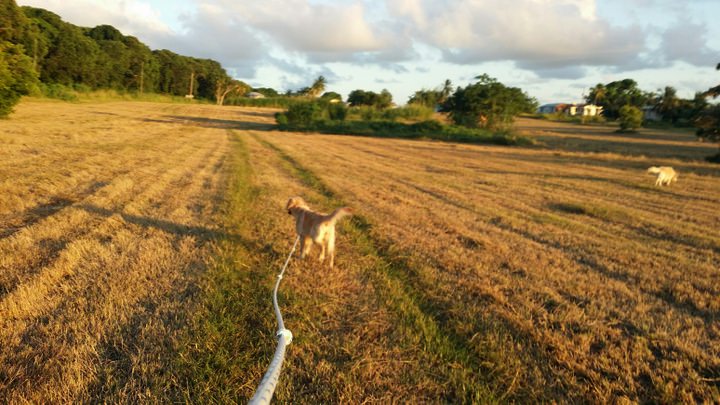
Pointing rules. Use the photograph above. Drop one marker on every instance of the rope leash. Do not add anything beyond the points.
(265, 390)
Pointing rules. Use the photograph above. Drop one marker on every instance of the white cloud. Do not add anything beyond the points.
(543, 35)
(321, 32)
(687, 41)
(131, 17)
(211, 32)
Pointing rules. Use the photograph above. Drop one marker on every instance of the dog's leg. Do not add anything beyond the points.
(305, 246)
(322, 252)
(331, 248)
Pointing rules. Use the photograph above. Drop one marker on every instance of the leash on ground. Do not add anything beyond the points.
(265, 390)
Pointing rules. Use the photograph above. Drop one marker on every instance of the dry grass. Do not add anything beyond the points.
(105, 215)
(139, 243)
(568, 269)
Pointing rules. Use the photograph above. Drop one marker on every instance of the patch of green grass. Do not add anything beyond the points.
(225, 351)
(594, 210)
(431, 130)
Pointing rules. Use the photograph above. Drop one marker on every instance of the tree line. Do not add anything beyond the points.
(39, 48)
(617, 94)
(623, 98)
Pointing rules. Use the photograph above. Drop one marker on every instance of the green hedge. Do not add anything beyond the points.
(420, 130)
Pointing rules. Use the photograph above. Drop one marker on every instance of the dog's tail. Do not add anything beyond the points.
(653, 170)
(340, 213)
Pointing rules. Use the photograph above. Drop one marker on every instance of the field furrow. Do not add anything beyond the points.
(122, 254)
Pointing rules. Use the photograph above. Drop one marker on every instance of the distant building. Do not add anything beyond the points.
(651, 114)
(551, 108)
(255, 94)
(587, 110)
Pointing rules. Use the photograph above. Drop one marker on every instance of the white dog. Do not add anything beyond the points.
(665, 175)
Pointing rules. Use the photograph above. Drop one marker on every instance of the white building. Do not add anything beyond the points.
(587, 110)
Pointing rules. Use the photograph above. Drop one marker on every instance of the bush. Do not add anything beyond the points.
(630, 118)
(58, 91)
(281, 119)
(329, 118)
(270, 102)
(308, 114)
(337, 111)
(409, 112)
(304, 114)
(487, 104)
(425, 127)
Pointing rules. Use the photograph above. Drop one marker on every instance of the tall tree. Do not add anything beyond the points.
(225, 87)
(708, 122)
(445, 91)
(143, 68)
(615, 95)
(432, 98)
(488, 104)
(667, 104)
(17, 74)
(72, 57)
(714, 91)
(13, 23)
(597, 94)
(370, 98)
(317, 87)
(427, 98)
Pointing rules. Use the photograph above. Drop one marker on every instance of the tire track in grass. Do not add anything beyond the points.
(470, 379)
(218, 357)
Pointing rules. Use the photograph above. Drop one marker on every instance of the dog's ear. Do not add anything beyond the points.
(294, 202)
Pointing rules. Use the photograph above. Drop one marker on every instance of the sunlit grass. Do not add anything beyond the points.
(140, 242)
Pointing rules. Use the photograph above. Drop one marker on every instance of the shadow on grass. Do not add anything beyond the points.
(167, 226)
(9, 227)
(212, 122)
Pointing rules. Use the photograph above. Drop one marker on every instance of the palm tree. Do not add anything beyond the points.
(668, 102)
(445, 92)
(317, 87)
(597, 93)
(714, 91)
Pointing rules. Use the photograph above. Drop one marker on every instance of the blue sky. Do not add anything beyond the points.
(553, 49)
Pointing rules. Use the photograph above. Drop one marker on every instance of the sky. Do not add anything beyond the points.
(555, 50)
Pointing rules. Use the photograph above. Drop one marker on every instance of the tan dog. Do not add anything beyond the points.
(665, 175)
(314, 227)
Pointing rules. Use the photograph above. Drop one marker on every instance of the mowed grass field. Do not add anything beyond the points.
(139, 244)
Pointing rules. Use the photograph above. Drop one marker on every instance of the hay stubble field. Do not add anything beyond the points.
(139, 244)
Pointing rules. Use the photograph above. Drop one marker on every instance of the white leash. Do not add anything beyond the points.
(265, 390)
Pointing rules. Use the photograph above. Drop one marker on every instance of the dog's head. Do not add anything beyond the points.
(295, 202)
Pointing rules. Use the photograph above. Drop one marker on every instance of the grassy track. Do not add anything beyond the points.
(139, 244)
(417, 318)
